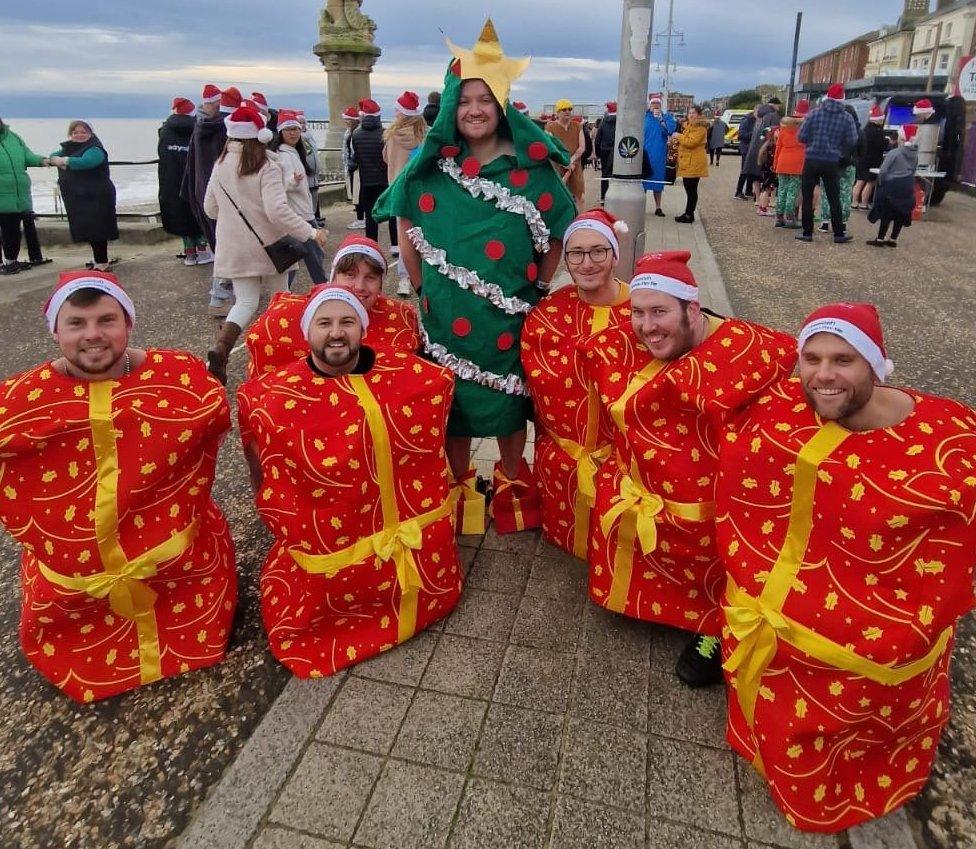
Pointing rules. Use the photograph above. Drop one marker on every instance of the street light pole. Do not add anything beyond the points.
(667, 59)
(626, 197)
(796, 47)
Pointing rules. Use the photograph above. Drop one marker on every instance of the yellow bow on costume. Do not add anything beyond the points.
(396, 544)
(646, 507)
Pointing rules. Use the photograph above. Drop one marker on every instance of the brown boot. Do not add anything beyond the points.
(218, 354)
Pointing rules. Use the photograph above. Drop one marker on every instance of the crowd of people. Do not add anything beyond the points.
(811, 534)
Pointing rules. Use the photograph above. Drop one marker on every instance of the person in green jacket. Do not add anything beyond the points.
(15, 194)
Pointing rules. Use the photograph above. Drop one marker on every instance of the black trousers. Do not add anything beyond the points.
(368, 195)
(10, 235)
(714, 155)
(99, 252)
(813, 172)
(744, 184)
(883, 228)
(691, 190)
(30, 236)
(606, 170)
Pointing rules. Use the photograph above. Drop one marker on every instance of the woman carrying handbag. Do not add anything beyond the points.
(257, 231)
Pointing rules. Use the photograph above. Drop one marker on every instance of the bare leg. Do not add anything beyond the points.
(459, 455)
(511, 448)
(856, 194)
(867, 193)
(657, 199)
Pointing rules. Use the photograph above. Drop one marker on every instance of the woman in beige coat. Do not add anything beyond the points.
(251, 177)
(692, 159)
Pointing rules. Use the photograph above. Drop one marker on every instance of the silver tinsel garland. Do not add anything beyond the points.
(504, 200)
(465, 277)
(511, 384)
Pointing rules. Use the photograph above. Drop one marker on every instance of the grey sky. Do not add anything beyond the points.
(109, 48)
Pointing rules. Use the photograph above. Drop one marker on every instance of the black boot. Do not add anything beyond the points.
(700, 664)
(685, 218)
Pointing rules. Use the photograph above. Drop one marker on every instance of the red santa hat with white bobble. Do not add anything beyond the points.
(230, 99)
(353, 244)
(261, 102)
(923, 109)
(408, 104)
(520, 107)
(369, 108)
(183, 106)
(600, 221)
(351, 113)
(906, 132)
(611, 107)
(876, 115)
(288, 118)
(857, 324)
(835, 92)
(70, 282)
(246, 122)
(667, 272)
(327, 292)
(211, 94)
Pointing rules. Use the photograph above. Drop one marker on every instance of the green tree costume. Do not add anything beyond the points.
(480, 231)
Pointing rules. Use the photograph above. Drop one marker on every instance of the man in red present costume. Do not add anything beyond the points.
(653, 555)
(847, 523)
(572, 438)
(107, 459)
(275, 339)
(347, 455)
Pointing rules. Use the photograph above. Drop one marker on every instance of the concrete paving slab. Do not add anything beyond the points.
(548, 623)
(606, 634)
(403, 664)
(519, 543)
(275, 837)
(890, 832)
(537, 679)
(520, 746)
(482, 614)
(501, 816)
(464, 666)
(611, 690)
(578, 823)
(602, 763)
(668, 835)
(366, 715)
(561, 577)
(499, 571)
(412, 806)
(328, 791)
(683, 713)
(440, 730)
(692, 784)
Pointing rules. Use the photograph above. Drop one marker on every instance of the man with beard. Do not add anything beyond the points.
(847, 524)
(346, 450)
(653, 554)
(107, 459)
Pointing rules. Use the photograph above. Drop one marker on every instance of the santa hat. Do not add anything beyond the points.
(408, 104)
(611, 107)
(211, 94)
(876, 114)
(655, 97)
(261, 102)
(245, 122)
(320, 294)
(369, 108)
(70, 282)
(923, 109)
(183, 106)
(600, 221)
(668, 272)
(801, 109)
(358, 245)
(351, 113)
(230, 99)
(288, 118)
(835, 92)
(520, 107)
(858, 325)
(907, 132)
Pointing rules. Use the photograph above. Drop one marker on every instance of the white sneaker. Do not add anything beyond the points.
(404, 287)
(204, 256)
(356, 225)
(190, 258)
(395, 252)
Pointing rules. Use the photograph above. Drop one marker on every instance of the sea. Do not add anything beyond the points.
(125, 139)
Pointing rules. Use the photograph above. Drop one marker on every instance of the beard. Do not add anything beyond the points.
(854, 402)
(338, 358)
(85, 365)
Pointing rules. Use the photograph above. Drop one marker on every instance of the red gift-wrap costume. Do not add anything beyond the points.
(355, 491)
(572, 437)
(850, 558)
(275, 340)
(653, 555)
(128, 566)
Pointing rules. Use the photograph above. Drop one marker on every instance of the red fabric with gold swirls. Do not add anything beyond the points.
(666, 433)
(275, 339)
(566, 406)
(886, 568)
(57, 501)
(322, 467)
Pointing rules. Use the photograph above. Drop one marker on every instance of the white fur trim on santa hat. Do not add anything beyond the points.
(855, 337)
(348, 250)
(247, 130)
(332, 293)
(668, 285)
(598, 226)
(64, 292)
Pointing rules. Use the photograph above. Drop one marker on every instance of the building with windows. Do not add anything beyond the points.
(837, 65)
(942, 37)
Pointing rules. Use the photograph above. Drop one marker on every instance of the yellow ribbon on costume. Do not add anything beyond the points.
(638, 511)
(397, 544)
(587, 465)
(465, 492)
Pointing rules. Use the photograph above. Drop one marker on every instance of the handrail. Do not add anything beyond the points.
(156, 161)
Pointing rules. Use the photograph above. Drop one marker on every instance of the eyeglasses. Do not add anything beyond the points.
(597, 255)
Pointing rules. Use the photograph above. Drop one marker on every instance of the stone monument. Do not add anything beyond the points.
(347, 52)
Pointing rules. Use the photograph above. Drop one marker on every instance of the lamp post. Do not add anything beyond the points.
(626, 197)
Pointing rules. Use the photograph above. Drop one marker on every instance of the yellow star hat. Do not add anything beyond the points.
(485, 61)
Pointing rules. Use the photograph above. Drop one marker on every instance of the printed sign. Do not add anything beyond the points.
(966, 87)
(628, 148)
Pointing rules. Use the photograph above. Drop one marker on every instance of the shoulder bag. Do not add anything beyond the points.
(284, 252)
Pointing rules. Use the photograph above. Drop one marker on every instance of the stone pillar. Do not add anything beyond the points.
(347, 52)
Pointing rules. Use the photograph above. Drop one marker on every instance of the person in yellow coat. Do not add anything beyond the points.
(692, 159)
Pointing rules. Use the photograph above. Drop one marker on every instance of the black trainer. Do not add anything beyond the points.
(700, 664)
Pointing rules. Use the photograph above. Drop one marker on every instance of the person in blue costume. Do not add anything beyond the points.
(658, 127)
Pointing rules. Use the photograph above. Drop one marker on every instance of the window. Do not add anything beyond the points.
(944, 62)
(925, 62)
(948, 29)
(928, 37)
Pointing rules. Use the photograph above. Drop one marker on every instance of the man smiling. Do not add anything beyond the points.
(847, 525)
